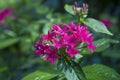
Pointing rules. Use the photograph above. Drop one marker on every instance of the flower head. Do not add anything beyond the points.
(5, 12)
(106, 22)
(67, 36)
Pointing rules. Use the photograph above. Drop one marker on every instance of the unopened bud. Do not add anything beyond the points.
(81, 11)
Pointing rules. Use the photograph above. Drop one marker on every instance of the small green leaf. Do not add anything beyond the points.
(69, 9)
(10, 33)
(38, 75)
(85, 51)
(8, 42)
(100, 72)
(78, 57)
(97, 26)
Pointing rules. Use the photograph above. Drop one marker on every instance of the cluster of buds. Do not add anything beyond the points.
(81, 11)
(63, 40)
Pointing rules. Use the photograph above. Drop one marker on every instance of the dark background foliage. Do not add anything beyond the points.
(34, 17)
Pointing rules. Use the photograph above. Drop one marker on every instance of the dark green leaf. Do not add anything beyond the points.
(72, 70)
(69, 9)
(97, 26)
(8, 42)
(112, 53)
(100, 72)
(59, 77)
(38, 75)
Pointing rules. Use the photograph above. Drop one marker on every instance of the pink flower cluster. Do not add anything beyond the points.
(4, 13)
(67, 36)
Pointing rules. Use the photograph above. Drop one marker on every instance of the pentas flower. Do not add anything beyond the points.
(106, 22)
(66, 38)
(4, 13)
(46, 50)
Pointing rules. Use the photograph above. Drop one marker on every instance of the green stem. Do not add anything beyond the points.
(78, 18)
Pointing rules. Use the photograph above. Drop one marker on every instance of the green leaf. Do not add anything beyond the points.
(72, 70)
(97, 26)
(69, 9)
(85, 51)
(40, 11)
(10, 33)
(38, 75)
(100, 72)
(114, 53)
(60, 77)
(8, 42)
(104, 43)
(3, 68)
(78, 57)
(101, 44)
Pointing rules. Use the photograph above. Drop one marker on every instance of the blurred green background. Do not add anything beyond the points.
(34, 17)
